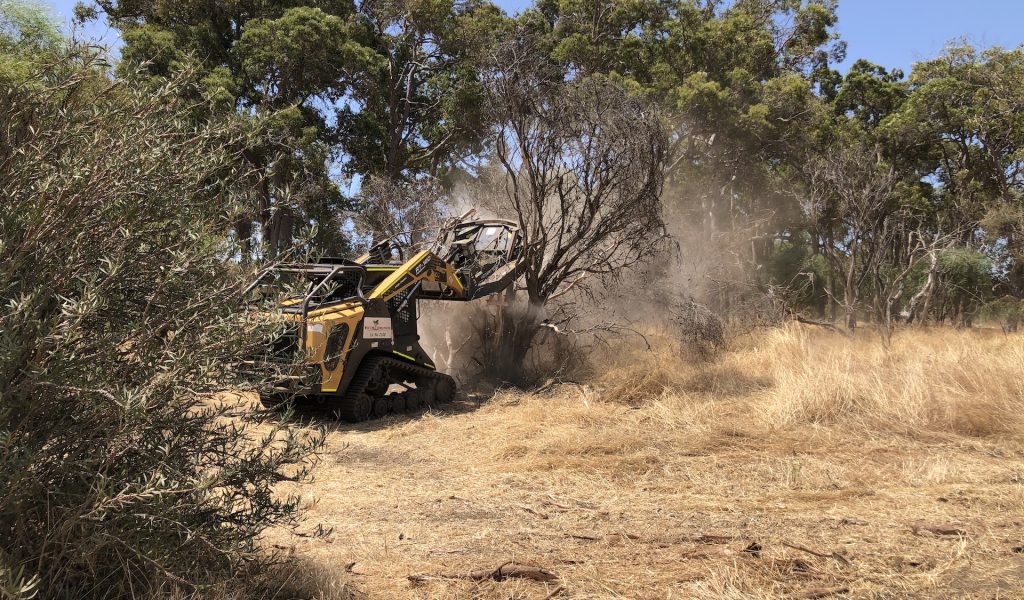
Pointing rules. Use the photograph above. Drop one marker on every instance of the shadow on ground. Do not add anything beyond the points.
(306, 415)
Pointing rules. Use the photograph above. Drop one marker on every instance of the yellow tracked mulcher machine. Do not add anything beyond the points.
(355, 323)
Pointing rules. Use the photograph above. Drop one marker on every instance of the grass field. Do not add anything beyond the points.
(797, 464)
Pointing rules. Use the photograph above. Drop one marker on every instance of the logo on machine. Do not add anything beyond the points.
(377, 328)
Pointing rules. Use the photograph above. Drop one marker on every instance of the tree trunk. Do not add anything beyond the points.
(507, 335)
(833, 291)
(243, 229)
(279, 230)
(921, 302)
(850, 293)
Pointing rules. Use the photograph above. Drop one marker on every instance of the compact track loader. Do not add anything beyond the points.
(355, 324)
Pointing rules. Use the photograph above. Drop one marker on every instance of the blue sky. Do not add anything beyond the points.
(893, 33)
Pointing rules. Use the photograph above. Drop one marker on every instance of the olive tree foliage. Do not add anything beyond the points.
(581, 165)
(124, 472)
(27, 28)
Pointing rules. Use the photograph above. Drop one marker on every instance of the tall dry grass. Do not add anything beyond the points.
(932, 380)
(636, 408)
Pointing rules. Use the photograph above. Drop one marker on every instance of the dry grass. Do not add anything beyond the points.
(650, 482)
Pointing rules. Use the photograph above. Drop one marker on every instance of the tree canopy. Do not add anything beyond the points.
(748, 91)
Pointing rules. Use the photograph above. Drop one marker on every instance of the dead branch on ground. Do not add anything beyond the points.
(508, 570)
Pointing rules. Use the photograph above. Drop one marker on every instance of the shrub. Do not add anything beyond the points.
(966, 276)
(124, 472)
(1007, 311)
(700, 330)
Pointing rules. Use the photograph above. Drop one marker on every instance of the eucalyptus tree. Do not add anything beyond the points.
(966, 110)
(417, 108)
(581, 167)
(280, 64)
(387, 88)
(739, 81)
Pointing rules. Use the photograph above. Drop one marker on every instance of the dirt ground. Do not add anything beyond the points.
(665, 479)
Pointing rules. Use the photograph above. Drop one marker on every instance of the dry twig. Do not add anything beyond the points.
(838, 557)
(508, 570)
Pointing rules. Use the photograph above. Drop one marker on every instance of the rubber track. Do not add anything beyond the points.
(346, 405)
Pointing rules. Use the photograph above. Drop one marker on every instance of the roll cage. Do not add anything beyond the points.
(484, 255)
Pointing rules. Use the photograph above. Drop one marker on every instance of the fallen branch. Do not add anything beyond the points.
(552, 502)
(713, 539)
(792, 566)
(579, 503)
(534, 511)
(839, 557)
(580, 536)
(601, 328)
(824, 324)
(752, 549)
(699, 539)
(899, 562)
(503, 572)
(551, 383)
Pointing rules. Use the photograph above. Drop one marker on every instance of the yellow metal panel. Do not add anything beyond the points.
(332, 379)
(453, 280)
(385, 288)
